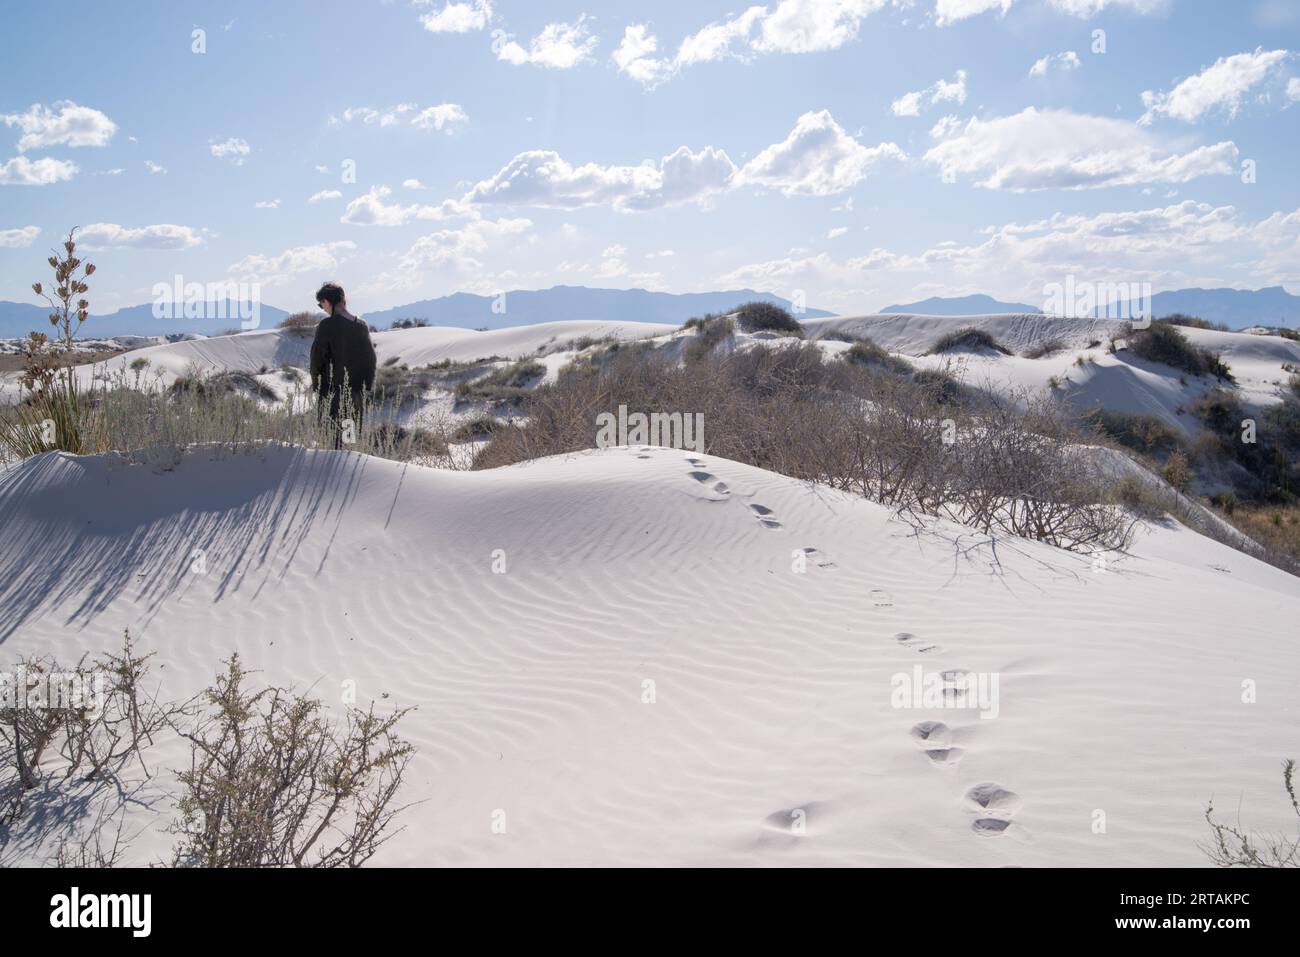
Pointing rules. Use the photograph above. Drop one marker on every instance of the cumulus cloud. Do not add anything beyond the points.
(1065, 62)
(323, 195)
(818, 158)
(372, 209)
(1170, 247)
(267, 204)
(445, 117)
(1059, 149)
(543, 178)
(1219, 87)
(19, 238)
(274, 270)
(67, 124)
(20, 171)
(941, 91)
(793, 26)
(160, 236)
(948, 12)
(453, 253)
(1293, 88)
(560, 46)
(154, 169)
(233, 149)
(458, 17)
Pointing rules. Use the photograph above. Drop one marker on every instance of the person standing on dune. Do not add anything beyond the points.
(342, 362)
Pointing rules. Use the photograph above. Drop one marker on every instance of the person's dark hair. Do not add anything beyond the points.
(331, 292)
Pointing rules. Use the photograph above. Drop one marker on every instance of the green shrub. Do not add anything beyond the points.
(761, 316)
(1166, 344)
(867, 353)
(969, 339)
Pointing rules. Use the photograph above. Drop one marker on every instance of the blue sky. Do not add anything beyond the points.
(857, 152)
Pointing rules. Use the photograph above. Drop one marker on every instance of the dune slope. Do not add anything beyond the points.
(618, 651)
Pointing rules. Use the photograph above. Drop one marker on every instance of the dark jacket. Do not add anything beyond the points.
(342, 352)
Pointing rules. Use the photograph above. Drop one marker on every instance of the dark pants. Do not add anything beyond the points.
(342, 409)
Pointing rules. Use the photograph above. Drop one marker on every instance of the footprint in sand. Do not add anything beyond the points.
(915, 643)
(935, 738)
(821, 560)
(764, 515)
(998, 805)
(711, 482)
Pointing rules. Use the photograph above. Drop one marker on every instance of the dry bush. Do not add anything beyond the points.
(969, 339)
(301, 322)
(759, 316)
(1045, 348)
(273, 783)
(93, 739)
(1164, 343)
(904, 443)
(710, 331)
(1230, 846)
(868, 353)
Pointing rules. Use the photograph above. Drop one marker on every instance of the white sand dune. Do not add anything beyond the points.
(1120, 689)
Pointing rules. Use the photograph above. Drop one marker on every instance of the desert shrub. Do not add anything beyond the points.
(392, 441)
(1193, 322)
(967, 340)
(1164, 343)
(508, 384)
(409, 324)
(866, 352)
(941, 384)
(1148, 434)
(1140, 497)
(1227, 501)
(301, 322)
(1045, 348)
(104, 717)
(847, 426)
(758, 316)
(1178, 470)
(709, 331)
(272, 782)
(1293, 383)
(1232, 847)
(476, 429)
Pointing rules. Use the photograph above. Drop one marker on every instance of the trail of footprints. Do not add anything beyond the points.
(719, 488)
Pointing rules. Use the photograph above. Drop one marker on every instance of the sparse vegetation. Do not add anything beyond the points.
(508, 384)
(1164, 343)
(759, 316)
(301, 322)
(709, 332)
(1045, 348)
(866, 352)
(969, 339)
(1230, 846)
(409, 324)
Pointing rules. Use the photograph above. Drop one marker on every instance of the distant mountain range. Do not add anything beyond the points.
(17, 319)
(526, 307)
(517, 308)
(974, 305)
(1235, 308)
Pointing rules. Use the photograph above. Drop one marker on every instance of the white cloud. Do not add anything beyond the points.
(1065, 62)
(322, 168)
(661, 254)
(560, 46)
(413, 184)
(371, 209)
(818, 158)
(274, 270)
(948, 12)
(451, 253)
(941, 91)
(1220, 86)
(1049, 149)
(118, 171)
(946, 126)
(444, 116)
(1180, 245)
(19, 238)
(323, 195)
(154, 168)
(267, 204)
(1293, 88)
(20, 171)
(160, 236)
(543, 178)
(836, 232)
(67, 124)
(233, 149)
(793, 26)
(458, 17)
